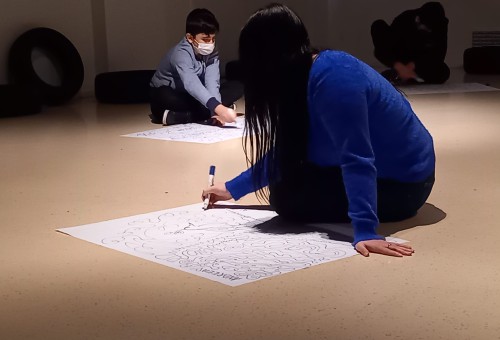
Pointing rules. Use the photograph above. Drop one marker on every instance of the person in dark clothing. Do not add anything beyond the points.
(186, 86)
(414, 45)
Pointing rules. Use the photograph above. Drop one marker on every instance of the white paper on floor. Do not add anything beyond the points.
(195, 133)
(445, 88)
(229, 244)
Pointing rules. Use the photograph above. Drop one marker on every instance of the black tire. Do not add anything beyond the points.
(124, 87)
(18, 101)
(62, 54)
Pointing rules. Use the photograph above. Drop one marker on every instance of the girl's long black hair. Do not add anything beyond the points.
(276, 58)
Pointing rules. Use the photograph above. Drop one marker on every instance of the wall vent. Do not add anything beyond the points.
(485, 38)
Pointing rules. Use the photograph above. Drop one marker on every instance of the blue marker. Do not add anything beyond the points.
(211, 176)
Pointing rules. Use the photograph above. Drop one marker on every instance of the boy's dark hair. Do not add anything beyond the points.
(201, 20)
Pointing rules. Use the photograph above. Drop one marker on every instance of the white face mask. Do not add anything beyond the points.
(203, 48)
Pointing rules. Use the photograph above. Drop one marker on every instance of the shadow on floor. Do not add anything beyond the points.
(427, 215)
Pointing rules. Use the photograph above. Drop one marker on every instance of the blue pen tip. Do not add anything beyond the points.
(212, 170)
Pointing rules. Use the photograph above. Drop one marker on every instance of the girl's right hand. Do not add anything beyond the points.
(218, 192)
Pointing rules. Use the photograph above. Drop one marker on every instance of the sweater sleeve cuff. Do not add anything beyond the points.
(212, 104)
(237, 188)
(365, 234)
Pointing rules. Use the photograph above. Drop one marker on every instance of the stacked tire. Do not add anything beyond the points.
(27, 91)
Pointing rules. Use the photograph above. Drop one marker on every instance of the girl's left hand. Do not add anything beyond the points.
(383, 247)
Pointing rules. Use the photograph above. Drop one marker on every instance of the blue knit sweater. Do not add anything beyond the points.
(361, 123)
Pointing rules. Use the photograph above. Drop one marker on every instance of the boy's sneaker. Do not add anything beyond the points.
(154, 119)
(172, 118)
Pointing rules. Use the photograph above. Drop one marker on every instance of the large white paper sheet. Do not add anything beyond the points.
(231, 245)
(445, 88)
(195, 133)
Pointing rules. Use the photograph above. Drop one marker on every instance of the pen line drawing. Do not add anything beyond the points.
(445, 88)
(223, 245)
(195, 133)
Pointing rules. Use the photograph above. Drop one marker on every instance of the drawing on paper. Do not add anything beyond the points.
(195, 133)
(220, 244)
(445, 88)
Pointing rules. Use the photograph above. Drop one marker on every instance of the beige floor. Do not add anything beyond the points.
(69, 166)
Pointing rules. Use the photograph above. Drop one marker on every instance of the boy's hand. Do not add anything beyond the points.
(225, 114)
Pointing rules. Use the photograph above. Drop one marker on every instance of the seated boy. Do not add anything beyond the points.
(414, 45)
(186, 86)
